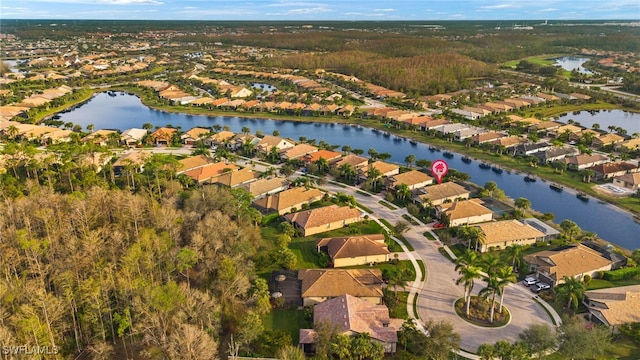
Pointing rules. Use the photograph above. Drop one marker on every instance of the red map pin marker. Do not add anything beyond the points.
(439, 169)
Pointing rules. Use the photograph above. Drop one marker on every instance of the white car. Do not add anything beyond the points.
(529, 280)
(539, 287)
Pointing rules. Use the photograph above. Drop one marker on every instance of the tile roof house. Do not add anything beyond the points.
(554, 154)
(350, 316)
(631, 144)
(441, 193)
(606, 139)
(464, 212)
(628, 181)
(297, 151)
(318, 285)
(614, 306)
(289, 200)
(414, 179)
(355, 250)
(355, 161)
(192, 162)
(268, 142)
(323, 219)
(100, 137)
(385, 169)
(134, 159)
(264, 187)
(206, 173)
(583, 161)
(610, 170)
(132, 137)
(502, 234)
(162, 136)
(576, 261)
(194, 134)
(330, 156)
(236, 178)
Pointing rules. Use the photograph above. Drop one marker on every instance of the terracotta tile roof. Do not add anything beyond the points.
(298, 151)
(383, 167)
(610, 168)
(292, 197)
(354, 246)
(263, 186)
(410, 178)
(507, 230)
(222, 136)
(510, 141)
(268, 141)
(571, 261)
(353, 160)
(617, 305)
(352, 315)
(632, 179)
(443, 191)
(631, 144)
(195, 133)
(325, 215)
(333, 282)
(235, 178)
(582, 159)
(192, 162)
(464, 209)
(102, 134)
(209, 171)
(323, 153)
(608, 139)
(163, 133)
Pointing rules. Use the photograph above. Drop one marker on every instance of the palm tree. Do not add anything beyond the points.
(402, 191)
(468, 274)
(514, 252)
(505, 277)
(373, 175)
(490, 291)
(346, 172)
(409, 160)
(323, 165)
(491, 262)
(372, 153)
(572, 291)
(468, 258)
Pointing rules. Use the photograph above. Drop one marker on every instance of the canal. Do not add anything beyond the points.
(124, 111)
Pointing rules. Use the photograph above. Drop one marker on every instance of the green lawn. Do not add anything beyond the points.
(396, 234)
(387, 205)
(288, 320)
(595, 284)
(423, 269)
(392, 266)
(399, 311)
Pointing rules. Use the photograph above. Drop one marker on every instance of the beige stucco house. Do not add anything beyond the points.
(311, 222)
(502, 234)
(319, 285)
(464, 212)
(355, 250)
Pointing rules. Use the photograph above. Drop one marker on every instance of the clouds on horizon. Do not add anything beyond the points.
(320, 9)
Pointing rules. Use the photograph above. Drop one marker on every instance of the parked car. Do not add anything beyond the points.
(539, 287)
(529, 280)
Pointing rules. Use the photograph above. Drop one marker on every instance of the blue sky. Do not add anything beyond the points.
(321, 9)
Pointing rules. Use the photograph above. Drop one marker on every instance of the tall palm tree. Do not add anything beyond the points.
(468, 274)
(347, 172)
(505, 277)
(490, 292)
(373, 175)
(492, 263)
(468, 258)
(403, 191)
(514, 253)
(572, 291)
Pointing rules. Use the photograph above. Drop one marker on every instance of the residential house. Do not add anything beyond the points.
(631, 144)
(207, 173)
(315, 221)
(193, 135)
(464, 212)
(192, 162)
(383, 168)
(234, 179)
(544, 126)
(319, 285)
(613, 306)
(502, 234)
(441, 193)
(132, 137)
(530, 149)
(162, 136)
(268, 142)
(100, 137)
(414, 179)
(355, 250)
(133, 160)
(330, 156)
(583, 161)
(289, 200)
(569, 129)
(606, 139)
(219, 138)
(490, 136)
(611, 170)
(297, 151)
(628, 181)
(350, 316)
(356, 162)
(555, 154)
(574, 261)
(510, 143)
(549, 232)
(264, 187)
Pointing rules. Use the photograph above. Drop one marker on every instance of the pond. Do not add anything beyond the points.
(264, 87)
(570, 63)
(126, 111)
(605, 118)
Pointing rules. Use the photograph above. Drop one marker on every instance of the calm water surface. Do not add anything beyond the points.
(124, 111)
(605, 118)
(573, 62)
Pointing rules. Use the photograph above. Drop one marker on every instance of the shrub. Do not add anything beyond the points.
(622, 274)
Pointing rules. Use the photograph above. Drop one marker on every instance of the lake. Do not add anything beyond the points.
(125, 111)
(573, 62)
(605, 118)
